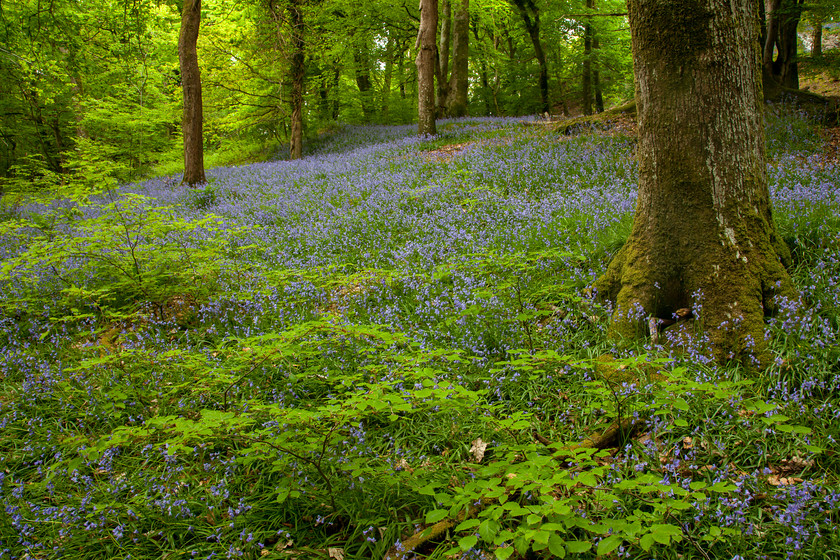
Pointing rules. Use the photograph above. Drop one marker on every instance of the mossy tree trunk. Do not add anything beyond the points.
(191, 86)
(703, 236)
(425, 61)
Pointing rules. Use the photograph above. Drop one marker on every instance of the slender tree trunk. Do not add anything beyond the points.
(459, 79)
(442, 68)
(703, 236)
(362, 67)
(336, 108)
(596, 73)
(401, 70)
(298, 74)
(386, 82)
(816, 38)
(191, 86)
(586, 82)
(531, 18)
(426, 48)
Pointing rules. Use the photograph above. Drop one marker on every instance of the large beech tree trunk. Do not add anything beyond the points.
(703, 236)
(425, 62)
(191, 86)
(459, 78)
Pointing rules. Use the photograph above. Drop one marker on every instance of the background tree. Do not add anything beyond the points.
(530, 14)
(703, 236)
(780, 40)
(459, 78)
(191, 84)
(426, 48)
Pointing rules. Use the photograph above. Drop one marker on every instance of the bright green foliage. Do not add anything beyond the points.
(169, 389)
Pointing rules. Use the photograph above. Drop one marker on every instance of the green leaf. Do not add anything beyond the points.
(722, 487)
(436, 515)
(609, 544)
(681, 404)
(578, 547)
(488, 529)
(503, 553)
(467, 524)
(467, 542)
(664, 532)
(646, 542)
(556, 546)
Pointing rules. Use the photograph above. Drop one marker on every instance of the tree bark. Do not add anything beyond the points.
(298, 73)
(386, 82)
(442, 68)
(361, 57)
(596, 73)
(816, 38)
(703, 235)
(780, 40)
(586, 82)
(531, 18)
(425, 62)
(459, 78)
(191, 86)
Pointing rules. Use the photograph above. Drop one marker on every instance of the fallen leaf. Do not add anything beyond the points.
(477, 450)
(337, 553)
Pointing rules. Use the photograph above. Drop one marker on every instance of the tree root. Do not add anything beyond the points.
(571, 126)
(611, 437)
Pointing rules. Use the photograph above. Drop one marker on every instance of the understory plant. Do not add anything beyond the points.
(387, 350)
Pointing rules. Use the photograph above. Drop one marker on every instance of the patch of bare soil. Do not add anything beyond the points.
(447, 152)
(832, 145)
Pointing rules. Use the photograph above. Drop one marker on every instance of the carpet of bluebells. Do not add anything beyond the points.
(386, 349)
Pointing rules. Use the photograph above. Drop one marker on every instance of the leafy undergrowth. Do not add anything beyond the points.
(388, 347)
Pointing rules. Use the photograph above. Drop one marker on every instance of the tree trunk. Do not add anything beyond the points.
(703, 236)
(386, 82)
(361, 58)
(298, 73)
(780, 40)
(336, 108)
(401, 69)
(459, 79)
(531, 18)
(586, 81)
(442, 68)
(596, 73)
(191, 85)
(816, 38)
(425, 62)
